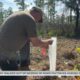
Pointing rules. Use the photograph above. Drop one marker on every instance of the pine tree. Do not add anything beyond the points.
(21, 4)
(1, 13)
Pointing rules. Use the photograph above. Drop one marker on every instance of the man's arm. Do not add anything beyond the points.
(40, 43)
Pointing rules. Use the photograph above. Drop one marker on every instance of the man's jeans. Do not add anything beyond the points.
(25, 56)
(8, 65)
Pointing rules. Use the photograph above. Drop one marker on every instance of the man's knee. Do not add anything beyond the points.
(13, 78)
(8, 65)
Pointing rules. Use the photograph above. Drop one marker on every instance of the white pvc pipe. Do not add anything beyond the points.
(52, 54)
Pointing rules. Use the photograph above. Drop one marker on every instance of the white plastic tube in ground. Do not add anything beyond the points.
(52, 54)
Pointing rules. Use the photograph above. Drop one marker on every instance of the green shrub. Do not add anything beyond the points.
(52, 33)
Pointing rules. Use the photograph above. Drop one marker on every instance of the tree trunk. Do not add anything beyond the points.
(23, 5)
(70, 15)
(77, 29)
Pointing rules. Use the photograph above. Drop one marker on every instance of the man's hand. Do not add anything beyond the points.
(41, 43)
(47, 43)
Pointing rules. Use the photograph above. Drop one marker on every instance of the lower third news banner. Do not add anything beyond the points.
(39, 73)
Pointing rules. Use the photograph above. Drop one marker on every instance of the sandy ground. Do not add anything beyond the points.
(65, 55)
(67, 58)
